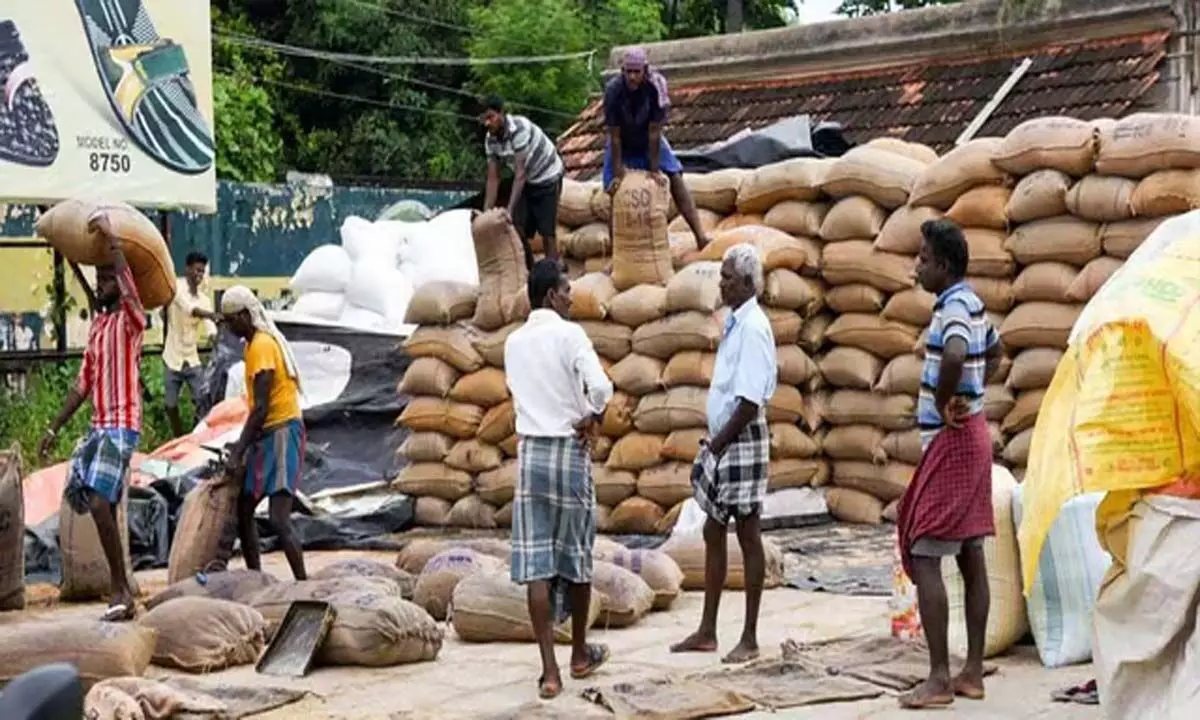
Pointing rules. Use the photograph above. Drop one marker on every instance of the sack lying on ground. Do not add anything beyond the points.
(236, 585)
(205, 635)
(490, 607)
(657, 568)
(624, 597)
(436, 583)
(688, 553)
(134, 698)
(98, 650)
(417, 552)
(362, 567)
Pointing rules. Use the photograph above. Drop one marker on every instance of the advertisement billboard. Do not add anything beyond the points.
(107, 98)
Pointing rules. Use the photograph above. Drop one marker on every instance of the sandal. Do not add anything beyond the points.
(118, 612)
(1085, 694)
(546, 692)
(597, 655)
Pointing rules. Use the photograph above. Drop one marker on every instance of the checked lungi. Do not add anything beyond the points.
(274, 462)
(554, 515)
(99, 464)
(735, 484)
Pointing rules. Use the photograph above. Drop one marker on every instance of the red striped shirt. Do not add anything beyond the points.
(111, 370)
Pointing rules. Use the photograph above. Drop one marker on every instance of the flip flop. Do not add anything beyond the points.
(28, 135)
(117, 612)
(1085, 694)
(147, 81)
(544, 692)
(597, 655)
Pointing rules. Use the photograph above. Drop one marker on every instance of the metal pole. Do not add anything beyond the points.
(60, 302)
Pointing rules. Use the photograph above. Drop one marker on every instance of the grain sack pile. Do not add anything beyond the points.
(584, 235)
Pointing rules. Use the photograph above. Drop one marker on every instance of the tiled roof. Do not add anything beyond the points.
(927, 102)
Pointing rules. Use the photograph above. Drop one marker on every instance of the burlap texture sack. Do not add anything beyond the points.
(428, 376)
(635, 451)
(617, 419)
(503, 276)
(417, 553)
(590, 241)
(666, 484)
(1016, 452)
(641, 253)
(853, 218)
(787, 290)
(901, 376)
(98, 650)
(1039, 324)
(490, 607)
(695, 287)
(625, 598)
(1024, 412)
(425, 447)
(797, 218)
(473, 456)
(235, 585)
(796, 179)
(451, 344)
(1044, 282)
(12, 531)
(639, 305)
(850, 367)
(436, 583)
(877, 173)
(484, 388)
(902, 232)
(496, 487)
(688, 554)
(884, 338)
(966, 166)
(1120, 239)
(1040, 195)
(679, 408)
(854, 506)
(610, 340)
(789, 442)
(612, 486)
(796, 473)
(205, 516)
(988, 255)
(1033, 369)
(904, 446)
(684, 445)
(636, 516)
(717, 190)
(1140, 144)
(855, 407)
(638, 375)
(886, 482)
(856, 261)
(985, 207)
(590, 297)
(472, 513)
(912, 307)
(677, 333)
(363, 568)
(436, 479)
(1091, 278)
(862, 443)
(203, 635)
(775, 249)
(498, 424)
(996, 293)
(855, 298)
(911, 150)
(441, 302)
(488, 347)
(1057, 143)
(1101, 198)
(428, 414)
(1167, 192)
(795, 366)
(690, 367)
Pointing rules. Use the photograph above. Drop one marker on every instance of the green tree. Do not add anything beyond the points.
(249, 147)
(698, 18)
(861, 8)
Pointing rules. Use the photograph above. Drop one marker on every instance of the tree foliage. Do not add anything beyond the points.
(862, 8)
(249, 147)
(698, 18)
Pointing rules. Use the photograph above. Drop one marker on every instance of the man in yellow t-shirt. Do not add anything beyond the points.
(269, 456)
(186, 318)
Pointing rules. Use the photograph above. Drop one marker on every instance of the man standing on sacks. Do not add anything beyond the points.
(730, 474)
(947, 508)
(559, 391)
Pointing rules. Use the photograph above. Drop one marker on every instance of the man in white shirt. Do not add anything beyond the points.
(559, 390)
(186, 316)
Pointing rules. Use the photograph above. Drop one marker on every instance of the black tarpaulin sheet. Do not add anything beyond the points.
(791, 137)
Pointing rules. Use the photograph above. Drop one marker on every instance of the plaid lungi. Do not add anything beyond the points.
(735, 484)
(99, 464)
(554, 515)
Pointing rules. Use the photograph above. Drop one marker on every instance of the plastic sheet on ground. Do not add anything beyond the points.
(839, 558)
(791, 137)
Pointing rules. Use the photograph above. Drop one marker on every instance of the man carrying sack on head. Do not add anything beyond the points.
(559, 390)
(110, 376)
(269, 456)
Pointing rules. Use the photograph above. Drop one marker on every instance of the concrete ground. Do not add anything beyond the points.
(498, 680)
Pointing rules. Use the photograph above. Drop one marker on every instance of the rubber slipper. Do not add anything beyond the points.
(597, 655)
(545, 692)
(1085, 694)
(148, 84)
(28, 135)
(118, 612)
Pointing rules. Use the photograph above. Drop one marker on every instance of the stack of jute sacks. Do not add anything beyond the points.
(584, 240)
(1089, 193)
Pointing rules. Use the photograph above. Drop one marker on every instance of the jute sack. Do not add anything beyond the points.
(600, 448)
(429, 511)
(635, 451)
(666, 484)
(420, 479)
(786, 405)
(796, 473)
(451, 344)
(472, 513)
(1042, 194)
(891, 511)
(134, 698)
(427, 414)
(636, 516)
(97, 650)
(1167, 192)
(503, 276)
(639, 305)
(912, 307)
(904, 445)
(203, 635)
(1024, 412)
(490, 607)
(884, 338)
(688, 554)
(789, 442)
(797, 218)
(590, 296)
(1016, 452)
(695, 287)
(417, 553)
(428, 376)
(1058, 143)
(575, 202)
(235, 585)
(738, 220)
(1101, 198)
(637, 375)
(677, 333)
(987, 253)
(708, 222)
(786, 290)
(1033, 369)
(483, 388)
(1120, 239)
(886, 482)
(655, 567)
(488, 347)
(854, 506)
(207, 512)
(815, 409)
(590, 241)
(966, 166)
(641, 253)
(855, 442)
(1044, 282)
(85, 574)
(441, 302)
(497, 486)
(785, 325)
(689, 368)
(997, 402)
(873, 172)
(1144, 143)
(473, 457)
(498, 424)
(611, 340)
(1039, 324)
(855, 298)
(982, 207)
(351, 568)
(436, 583)
(795, 367)
(1091, 278)
(856, 261)
(901, 376)
(676, 409)
(612, 486)
(625, 598)
(775, 249)
(12, 531)
(602, 204)
(617, 420)
(769, 185)
(852, 218)
(425, 447)
(901, 233)
(856, 407)
(911, 150)
(65, 227)
(850, 367)
(996, 293)
(812, 334)
(683, 247)
(717, 190)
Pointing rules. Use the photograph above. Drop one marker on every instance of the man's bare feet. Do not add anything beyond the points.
(931, 693)
(969, 684)
(744, 652)
(696, 642)
(549, 687)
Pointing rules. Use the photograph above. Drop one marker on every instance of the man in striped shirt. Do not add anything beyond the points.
(110, 377)
(537, 175)
(947, 508)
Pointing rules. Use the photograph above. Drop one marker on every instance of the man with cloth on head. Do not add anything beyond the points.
(635, 110)
(730, 473)
(269, 456)
(559, 391)
(947, 508)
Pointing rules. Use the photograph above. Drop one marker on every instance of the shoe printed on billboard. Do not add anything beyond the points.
(28, 135)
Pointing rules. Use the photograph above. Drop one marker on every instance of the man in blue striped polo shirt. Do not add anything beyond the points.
(947, 508)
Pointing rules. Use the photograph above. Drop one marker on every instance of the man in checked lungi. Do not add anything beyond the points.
(730, 474)
(559, 390)
(947, 508)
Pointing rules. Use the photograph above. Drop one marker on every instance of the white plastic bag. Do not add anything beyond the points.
(383, 290)
(367, 241)
(440, 250)
(362, 318)
(323, 305)
(325, 270)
